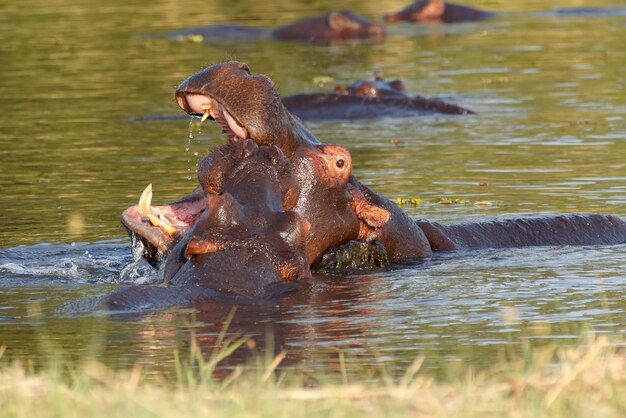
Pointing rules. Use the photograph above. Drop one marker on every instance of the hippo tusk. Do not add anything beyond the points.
(163, 223)
(145, 201)
(167, 226)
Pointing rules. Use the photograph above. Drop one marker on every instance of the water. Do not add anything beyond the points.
(549, 137)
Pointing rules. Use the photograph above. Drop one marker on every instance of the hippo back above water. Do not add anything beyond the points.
(437, 11)
(367, 99)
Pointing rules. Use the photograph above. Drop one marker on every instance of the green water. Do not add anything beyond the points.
(549, 137)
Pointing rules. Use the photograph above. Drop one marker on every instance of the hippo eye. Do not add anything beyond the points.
(340, 163)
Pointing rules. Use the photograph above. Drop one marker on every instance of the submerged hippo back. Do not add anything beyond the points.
(333, 26)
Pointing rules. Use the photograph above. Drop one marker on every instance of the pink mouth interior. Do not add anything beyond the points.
(181, 216)
(199, 104)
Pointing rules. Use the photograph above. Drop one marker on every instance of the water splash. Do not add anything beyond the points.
(138, 271)
(191, 125)
(54, 263)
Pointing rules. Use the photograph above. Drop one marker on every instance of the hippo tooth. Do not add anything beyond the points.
(205, 116)
(154, 220)
(145, 201)
(162, 223)
(206, 106)
(167, 226)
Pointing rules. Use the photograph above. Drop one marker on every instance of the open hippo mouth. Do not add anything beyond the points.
(198, 96)
(159, 228)
(206, 107)
(246, 106)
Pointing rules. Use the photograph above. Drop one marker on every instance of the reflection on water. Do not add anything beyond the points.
(549, 137)
(464, 306)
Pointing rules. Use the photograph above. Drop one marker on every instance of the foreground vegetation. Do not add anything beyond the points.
(586, 381)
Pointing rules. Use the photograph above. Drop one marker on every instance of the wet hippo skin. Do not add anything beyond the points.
(367, 99)
(245, 240)
(249, 192)
(425, 11)
(338, 207)
(325, 29)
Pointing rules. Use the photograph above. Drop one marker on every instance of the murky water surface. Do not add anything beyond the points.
(549, 137)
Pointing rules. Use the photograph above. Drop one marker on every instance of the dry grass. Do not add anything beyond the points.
(588, 381)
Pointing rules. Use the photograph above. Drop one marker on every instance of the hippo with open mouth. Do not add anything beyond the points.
(338, 207)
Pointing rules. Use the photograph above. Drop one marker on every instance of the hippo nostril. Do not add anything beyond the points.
(244, 66)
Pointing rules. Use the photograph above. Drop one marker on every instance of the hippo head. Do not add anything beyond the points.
(420, 11)
(331, 27)
(248, 237)
(247, 107)
(374, 88)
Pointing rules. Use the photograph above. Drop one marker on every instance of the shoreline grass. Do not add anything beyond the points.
(589, 380)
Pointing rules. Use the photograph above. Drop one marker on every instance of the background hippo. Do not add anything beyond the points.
(325, 29)
(437, 11)
(367, 99)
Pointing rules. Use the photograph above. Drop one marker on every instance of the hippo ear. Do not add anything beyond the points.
(211, 174)
(372, 215)
(366, 89)
(337, 21)
(339, 89)
(397, 84)
(249, 148)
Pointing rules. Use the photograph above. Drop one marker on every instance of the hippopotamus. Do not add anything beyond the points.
(328, 28)
(338, 207)
(242, 210)
(437, 11)
(367, 99)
